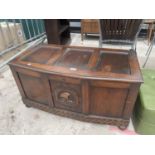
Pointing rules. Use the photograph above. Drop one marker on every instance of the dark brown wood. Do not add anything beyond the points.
(107, 101)
(57, 30)
(85, 97)
(131, 99)
(119, 30)
(66, 95)
(90, 84)
(79, 116)
(18, 82)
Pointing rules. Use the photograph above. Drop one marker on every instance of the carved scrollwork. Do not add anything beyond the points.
(66, 97)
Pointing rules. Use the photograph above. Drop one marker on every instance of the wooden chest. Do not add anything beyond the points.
(89, 84)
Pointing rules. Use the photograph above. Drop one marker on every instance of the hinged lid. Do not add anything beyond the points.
(83, 62)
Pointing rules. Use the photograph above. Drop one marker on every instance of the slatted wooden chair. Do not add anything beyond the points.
(119, 31)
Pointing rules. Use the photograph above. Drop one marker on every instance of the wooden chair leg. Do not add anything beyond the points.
(81, 35)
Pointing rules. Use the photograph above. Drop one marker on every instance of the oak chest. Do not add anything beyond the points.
(89, 84)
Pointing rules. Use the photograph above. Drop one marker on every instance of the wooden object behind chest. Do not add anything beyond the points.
(89, 84)
(89, 26)
(57, 31)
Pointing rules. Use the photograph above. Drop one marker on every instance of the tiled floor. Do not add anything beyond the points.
(15, 118)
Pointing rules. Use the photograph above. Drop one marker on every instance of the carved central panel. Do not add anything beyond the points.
(66, 95)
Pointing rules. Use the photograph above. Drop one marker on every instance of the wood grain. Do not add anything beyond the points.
(80, 82)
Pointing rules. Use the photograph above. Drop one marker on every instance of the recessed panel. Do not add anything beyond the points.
(43, 55)
(34, 88)
(114, 63)
(75, 58)
(66, 95)
(107, 101)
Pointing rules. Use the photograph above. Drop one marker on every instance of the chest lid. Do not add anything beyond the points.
(83, 62)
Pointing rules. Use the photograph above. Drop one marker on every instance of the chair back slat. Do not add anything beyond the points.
(119, 29)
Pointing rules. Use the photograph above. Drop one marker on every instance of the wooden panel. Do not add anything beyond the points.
(75, 58)
(86, 26)
(66, 96)
(109, 84)
(18, 82)
(65, 79)
(95, 26)
(27, 72)
(107, 101)
(115, 63)
(34, 88)
(90, 26)
(44, 55)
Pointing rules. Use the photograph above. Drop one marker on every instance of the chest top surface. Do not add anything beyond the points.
(82, 62)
